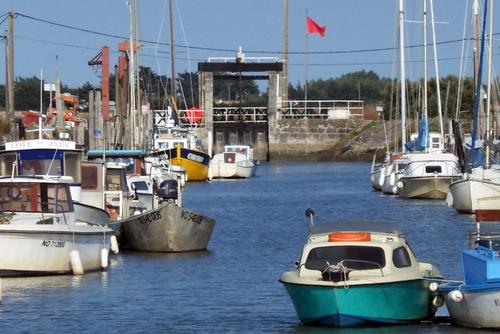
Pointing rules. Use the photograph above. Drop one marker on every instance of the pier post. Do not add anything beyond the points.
(272, 109)
(206, 97)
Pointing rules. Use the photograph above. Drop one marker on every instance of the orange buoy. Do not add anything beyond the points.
(348, 236)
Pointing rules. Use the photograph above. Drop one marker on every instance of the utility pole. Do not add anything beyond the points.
(10, 73)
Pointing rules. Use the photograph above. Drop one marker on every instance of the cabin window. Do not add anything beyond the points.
(30, 167)
(400, 166)
(432, 169)
(35, 197)
(6, 161)
(72, 166)
(354, 257)
(140, 185)
(401, 258)
(90, 178)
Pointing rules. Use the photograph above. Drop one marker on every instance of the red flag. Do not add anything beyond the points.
(314, 28)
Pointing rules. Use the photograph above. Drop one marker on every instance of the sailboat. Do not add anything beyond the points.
(480, 186)
(429, 170)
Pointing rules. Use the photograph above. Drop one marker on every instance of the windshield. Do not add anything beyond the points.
(354, 257)
(35, 197)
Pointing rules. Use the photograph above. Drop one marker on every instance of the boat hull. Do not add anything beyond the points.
(479, 307)
(375, 179)
(356, 305)
(428, 187)
(194, 162)
(168, 228)
(47, 249)
(469, 195)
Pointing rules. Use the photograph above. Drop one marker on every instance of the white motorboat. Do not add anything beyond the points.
(235, 162)
(428, 175)
(40, 233)
(391, 173)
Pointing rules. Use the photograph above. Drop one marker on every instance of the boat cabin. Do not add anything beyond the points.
(41, 157)
(35, 195)
(246, 150)
(333, 254)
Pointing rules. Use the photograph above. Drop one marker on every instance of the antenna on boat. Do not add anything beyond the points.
(310, 215)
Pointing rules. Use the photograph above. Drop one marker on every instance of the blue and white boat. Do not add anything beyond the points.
(475, 302)
(361, 273)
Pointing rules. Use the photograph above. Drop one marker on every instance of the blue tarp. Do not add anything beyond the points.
(422, 141)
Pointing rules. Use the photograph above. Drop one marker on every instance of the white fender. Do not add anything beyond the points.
(104, 258)
(76, 262)
(114, 244)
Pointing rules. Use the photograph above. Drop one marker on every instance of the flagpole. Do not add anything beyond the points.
(305, 67)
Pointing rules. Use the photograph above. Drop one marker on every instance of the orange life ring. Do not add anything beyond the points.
(349, 236)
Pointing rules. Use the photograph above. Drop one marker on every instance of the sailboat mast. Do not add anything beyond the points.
(425, 60)
(402, 73)
(172, 56)
(475, 10)
(488, 97)
(139, 120)
(436, 70)
(132, 75)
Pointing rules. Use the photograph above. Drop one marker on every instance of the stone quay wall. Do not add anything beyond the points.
(309, 139)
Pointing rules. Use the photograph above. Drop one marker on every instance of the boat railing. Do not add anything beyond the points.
(376, 264)
(43, 208)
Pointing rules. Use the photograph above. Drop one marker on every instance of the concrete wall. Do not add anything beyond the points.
(312, 139)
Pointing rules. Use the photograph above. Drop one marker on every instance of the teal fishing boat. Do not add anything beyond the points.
(360, 273)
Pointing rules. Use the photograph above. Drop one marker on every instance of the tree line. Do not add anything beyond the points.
(359, 85)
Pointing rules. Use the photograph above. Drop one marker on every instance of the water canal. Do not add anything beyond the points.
(233, 287)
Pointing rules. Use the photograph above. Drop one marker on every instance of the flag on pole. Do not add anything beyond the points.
(314, 28)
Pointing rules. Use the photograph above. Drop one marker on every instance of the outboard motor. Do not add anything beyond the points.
(168, 190)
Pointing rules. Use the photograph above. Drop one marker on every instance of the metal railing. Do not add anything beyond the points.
(319, 109)
(323, 109)
(237, 114)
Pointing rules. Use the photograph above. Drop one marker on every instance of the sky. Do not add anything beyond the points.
(216, 28)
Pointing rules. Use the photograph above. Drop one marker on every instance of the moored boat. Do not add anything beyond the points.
(475, 302)
(360, 273)
(146, 212)
(428, 175)
(235, 162)
(179, 146)
(41, 234)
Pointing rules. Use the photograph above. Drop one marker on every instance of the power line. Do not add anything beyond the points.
(232, 50)
(75, 46)
(166, 53)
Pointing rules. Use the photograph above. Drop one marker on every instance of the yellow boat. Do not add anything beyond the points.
(193, 161)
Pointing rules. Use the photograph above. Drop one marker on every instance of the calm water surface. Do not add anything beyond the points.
(233, 287)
